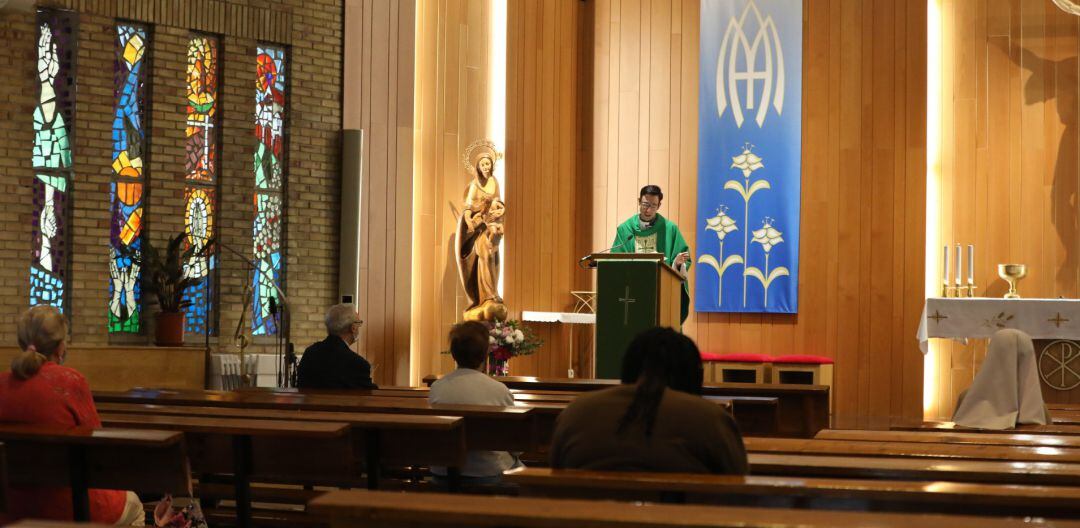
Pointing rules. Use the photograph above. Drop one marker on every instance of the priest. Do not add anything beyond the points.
(649, 232)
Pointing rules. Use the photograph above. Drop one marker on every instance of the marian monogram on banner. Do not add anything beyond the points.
(749, 178)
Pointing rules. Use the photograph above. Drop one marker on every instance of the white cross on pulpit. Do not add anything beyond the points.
(626, 306)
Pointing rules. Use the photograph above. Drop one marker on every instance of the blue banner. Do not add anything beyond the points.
(749, 148)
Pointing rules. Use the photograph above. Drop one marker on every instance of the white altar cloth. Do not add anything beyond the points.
(559, 317)
(963, 318)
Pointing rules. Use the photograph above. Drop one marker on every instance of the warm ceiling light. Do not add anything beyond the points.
(1068, 6)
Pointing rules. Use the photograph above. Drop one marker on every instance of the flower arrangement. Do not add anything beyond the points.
(507, 339)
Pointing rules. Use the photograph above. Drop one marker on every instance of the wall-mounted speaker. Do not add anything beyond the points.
(352, 167)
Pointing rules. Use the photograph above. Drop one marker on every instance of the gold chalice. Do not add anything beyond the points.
(1012, 273)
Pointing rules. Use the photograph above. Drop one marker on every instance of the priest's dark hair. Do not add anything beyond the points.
(469, 344)
(651, 190)
(656, 359)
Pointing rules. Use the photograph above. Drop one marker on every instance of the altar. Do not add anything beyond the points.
(1054, 325)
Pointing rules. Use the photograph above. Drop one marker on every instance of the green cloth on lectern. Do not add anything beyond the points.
(665, 237)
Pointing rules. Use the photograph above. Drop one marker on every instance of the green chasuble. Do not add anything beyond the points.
(663, 237)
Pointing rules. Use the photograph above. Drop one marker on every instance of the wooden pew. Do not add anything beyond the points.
(486, 428)
(34, 523)
(906, 468)
(802, 410)
(150, 461)
(1065, 417)
(953, 437)
(754, 415)
(226, 446)
(378, 439)
(1051, 429)
(813, 493)
(912, 450)
(1063, 406)
(394, 510)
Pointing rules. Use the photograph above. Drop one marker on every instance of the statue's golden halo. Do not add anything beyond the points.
(477, 149)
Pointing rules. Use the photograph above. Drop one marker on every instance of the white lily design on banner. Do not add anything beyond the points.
(769, 237)
(747, 162)
(722, 224)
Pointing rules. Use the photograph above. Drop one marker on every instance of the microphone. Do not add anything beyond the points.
(612, 248)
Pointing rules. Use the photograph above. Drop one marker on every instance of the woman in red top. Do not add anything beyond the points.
(38, 390)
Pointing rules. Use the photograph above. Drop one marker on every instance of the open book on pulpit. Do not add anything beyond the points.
(634, 292)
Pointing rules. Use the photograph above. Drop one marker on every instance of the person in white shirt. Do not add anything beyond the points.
(468, 386)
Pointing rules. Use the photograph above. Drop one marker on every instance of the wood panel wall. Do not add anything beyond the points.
(863, 208)
(547, 211)
(451, 105)
(1008, 168)
(378, 99)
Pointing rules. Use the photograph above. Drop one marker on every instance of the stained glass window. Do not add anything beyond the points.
(269, 169)
(127, 188)
(51, 158)
(200, 166)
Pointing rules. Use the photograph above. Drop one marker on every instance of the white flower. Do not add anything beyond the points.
(747, 161)
(721, 223)
(491, 340)
(519, 336)
(767, 236)
(509, 340)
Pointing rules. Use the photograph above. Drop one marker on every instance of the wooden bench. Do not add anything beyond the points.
(224, 446)
(802, 410)
(906, 468)
(393, 510)
(378, 439)
(486, 428)
(867, 448)
(32, 523)
(813, 493)
(150, 461)
(1065, 417)
(1051, 429)
(953, 437)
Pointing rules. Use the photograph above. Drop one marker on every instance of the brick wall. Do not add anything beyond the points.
(312, 31)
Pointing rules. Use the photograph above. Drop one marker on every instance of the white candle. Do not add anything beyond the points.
(971, 263)
(959, 264)
(945, 269)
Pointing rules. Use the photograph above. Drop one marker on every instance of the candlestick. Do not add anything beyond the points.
(971, 264)
(945, 272)
(959, 264)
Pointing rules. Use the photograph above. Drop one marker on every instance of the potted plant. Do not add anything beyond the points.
(165, 277)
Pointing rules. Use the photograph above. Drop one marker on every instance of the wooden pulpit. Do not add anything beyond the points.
(634, 292)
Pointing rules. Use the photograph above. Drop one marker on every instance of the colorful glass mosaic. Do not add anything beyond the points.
(201, 148)
(51, 157)
(269, 170)
(127, 189)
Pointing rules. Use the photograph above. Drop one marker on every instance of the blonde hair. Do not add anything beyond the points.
(40, 330)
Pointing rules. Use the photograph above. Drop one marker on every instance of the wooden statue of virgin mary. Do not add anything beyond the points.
(479, 231)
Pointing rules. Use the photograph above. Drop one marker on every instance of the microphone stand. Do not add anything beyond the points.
(285, 358)
(582, 263)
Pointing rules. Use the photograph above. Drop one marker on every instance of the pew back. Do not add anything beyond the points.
(389, 510)
(815, 493)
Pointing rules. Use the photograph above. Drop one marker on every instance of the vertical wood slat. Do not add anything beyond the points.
(1013, 206)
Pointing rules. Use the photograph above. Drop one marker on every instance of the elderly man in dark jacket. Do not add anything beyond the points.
(330, 363)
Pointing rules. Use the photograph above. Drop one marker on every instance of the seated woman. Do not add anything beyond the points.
(1006, 391)
(38, 390)
(655, 421)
